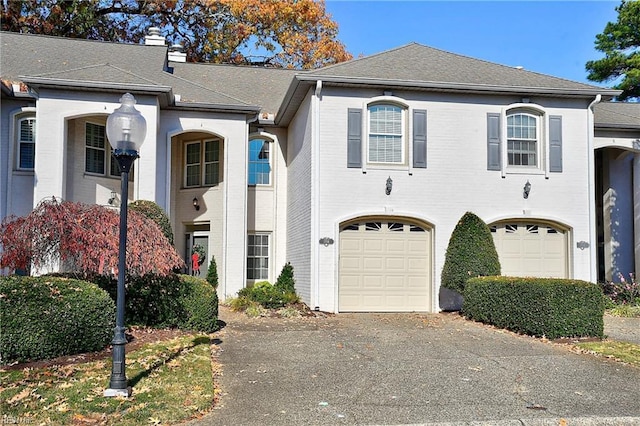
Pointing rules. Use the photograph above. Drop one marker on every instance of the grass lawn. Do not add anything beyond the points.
(621, 351)
(172, 381)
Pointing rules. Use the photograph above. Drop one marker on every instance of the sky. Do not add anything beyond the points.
(550, 37)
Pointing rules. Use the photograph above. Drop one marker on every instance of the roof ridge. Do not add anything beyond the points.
(351, 61)
(193, 83)
(107, 64)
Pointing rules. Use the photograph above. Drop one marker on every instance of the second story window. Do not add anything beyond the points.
(202, 163)
(386, 138)
(522, 140)
(259, 162)
(99, 159)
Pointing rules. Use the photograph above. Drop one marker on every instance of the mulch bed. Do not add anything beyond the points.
(136, 336)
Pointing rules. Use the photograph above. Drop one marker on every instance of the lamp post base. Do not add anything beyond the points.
(125, 393)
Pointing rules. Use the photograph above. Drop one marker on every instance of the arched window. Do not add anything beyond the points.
(523, 139)
(386, 134)
(259, 165)
(26, 143)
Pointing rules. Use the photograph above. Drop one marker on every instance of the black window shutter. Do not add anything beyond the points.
(420, 139)
(354, 138)
(555, 143)
(493, 141)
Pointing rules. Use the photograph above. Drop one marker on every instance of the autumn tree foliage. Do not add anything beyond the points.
(84, 238)
(283, 33)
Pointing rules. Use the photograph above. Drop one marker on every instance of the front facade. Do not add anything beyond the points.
(356, 173)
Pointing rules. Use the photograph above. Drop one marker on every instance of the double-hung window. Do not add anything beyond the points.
(386, 136)
(259, 162)
(26, 143)
(257, 256)
(202, 163)
(523, 140)
(99, 159)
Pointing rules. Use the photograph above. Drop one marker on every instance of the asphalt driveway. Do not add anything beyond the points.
(410, 369)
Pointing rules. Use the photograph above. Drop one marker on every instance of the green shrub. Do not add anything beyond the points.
(46, 317)
(200, 302)
(165, 300)
(285, 281)
(267, 295)
(155, 213)
(212, 273)
(536, 306)
(471, 253)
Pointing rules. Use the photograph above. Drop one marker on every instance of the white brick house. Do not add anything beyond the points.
(355, 173)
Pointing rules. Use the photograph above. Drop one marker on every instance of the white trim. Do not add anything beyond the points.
(593, 239)
(315, 194)
(13, 116)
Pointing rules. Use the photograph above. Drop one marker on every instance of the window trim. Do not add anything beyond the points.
(267, 257)
(404, 139)
(18, 141)
(542, 132)
(202, 163)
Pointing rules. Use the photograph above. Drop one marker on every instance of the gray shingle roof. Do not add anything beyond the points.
(265, 87)
(617, 115)
(423, 66)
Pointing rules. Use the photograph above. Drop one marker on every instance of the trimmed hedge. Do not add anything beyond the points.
(536, 306)
(46, 317)
(471, 253)
(172, 300)
(200, 302)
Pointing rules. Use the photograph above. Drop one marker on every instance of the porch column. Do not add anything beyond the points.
(636, 210)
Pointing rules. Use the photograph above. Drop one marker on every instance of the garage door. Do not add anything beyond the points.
(385, 266)
(529, 249)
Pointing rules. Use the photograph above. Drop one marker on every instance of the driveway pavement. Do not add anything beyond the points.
(389, 369)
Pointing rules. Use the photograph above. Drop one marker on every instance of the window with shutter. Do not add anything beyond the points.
(26, 143)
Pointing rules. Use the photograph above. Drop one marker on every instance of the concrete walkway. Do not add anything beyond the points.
(389, 369)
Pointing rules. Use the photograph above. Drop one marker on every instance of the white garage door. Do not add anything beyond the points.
(529, 249)
(385, 266)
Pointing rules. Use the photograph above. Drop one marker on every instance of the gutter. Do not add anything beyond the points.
(593, 258)
(315, 212)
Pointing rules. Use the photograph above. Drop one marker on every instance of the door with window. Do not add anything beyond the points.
(198, 240)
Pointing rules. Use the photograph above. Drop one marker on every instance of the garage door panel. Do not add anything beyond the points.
(393, 264)
(531, 250)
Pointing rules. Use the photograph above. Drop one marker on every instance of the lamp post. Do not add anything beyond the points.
(126, 129)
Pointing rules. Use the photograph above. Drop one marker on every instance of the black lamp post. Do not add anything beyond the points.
(126, 129)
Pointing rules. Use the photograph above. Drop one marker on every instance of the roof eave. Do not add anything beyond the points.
(617, 126)
(165, 93)
(211, 107)
(457, 87)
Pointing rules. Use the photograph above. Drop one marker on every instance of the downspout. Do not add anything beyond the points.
(593, 247)
(315, 216)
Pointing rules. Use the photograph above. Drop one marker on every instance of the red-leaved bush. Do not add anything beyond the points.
(84, 238)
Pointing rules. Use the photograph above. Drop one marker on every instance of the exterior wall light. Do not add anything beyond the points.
(389, 185)
(326, 241)
(112, 198)
(196, 203)
(527, 189)
(126, 130)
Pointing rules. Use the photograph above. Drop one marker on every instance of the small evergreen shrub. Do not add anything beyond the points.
(200, 302)
(154, 212)
(536, 306)
(471, 253)
(267, 295)
(46, 317)
(285, 281)
(212, 273)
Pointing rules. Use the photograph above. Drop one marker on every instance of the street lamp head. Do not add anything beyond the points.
(126, 128)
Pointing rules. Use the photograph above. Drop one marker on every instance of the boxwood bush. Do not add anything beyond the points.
(268, 295)
(165, 300)
(46, 317)
(536, 306)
